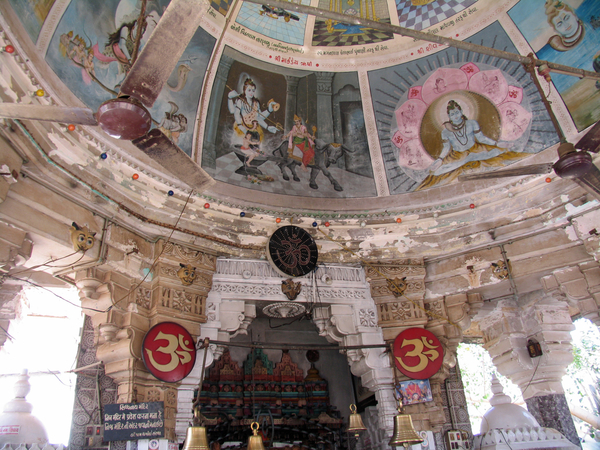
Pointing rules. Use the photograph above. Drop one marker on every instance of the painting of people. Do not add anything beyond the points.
(93, 49)
(461, 116)
(414, 391)
(566, 32)
(275, 134)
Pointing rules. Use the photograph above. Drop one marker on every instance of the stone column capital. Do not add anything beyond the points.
(509, 326)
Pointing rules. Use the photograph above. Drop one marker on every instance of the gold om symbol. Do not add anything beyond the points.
(177, 356)
(419, 345)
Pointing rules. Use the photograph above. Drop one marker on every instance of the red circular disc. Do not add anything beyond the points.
(169, 352)
(418, 353)
(124, 118)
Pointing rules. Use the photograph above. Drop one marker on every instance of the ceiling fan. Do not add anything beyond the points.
(126, 116)
(577, 166)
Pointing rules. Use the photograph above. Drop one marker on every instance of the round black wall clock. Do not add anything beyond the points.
(292, 251)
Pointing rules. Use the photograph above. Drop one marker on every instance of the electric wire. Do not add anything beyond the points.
(55, 294)
(532, 376)
(47, 264)
(8, 335)
(133, 289)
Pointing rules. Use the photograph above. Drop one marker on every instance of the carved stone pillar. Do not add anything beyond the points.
(355, 325)
(291, 100)
(505, 334)
(123, 309)
(324, 106)
(398, 290)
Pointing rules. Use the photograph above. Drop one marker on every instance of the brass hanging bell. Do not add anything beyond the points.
(355, 423)
(404, 432)
(196, 439)
(255, 441)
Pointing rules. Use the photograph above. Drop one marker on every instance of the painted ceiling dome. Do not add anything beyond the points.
(274, 113)
(504, 414)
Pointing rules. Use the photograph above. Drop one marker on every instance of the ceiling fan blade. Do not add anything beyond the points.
(165, 46)
(160, 148)
(60, 114)
(590, 181)
(590, 142)
(534, 169)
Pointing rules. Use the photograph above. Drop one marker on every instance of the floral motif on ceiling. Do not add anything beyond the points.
(457, 112)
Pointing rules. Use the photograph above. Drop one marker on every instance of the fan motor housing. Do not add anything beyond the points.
(124, 118)
(573, 165)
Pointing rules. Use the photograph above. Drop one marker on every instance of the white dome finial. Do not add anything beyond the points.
(25, 428)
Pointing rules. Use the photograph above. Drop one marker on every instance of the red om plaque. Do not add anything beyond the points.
(169, 352)
(418, 354)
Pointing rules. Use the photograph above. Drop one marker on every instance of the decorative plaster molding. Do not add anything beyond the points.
(249, 269)
(399, 311)
(247, 289)
(367, 318)
(143, 297)
(180, 300)
(190, 256)
(411, 287)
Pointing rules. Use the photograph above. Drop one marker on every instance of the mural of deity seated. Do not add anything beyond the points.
(465, 148)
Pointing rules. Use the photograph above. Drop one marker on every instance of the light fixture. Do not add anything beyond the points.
(534, 348)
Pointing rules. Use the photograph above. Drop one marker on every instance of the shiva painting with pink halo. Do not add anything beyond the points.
(457, 112)
(459, 119)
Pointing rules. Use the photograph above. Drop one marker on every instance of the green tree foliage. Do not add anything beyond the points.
(582, 382)
(476, 369)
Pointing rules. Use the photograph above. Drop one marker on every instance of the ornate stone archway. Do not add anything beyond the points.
(343, 311)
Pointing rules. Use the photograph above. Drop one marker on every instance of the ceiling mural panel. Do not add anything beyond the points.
(299, 133)
(283, 111)
(422, 14)
(330, 33)
(275, 23)
(32, 14)
(566, 32)
(221, 6)
(456, 112)
(91, 51)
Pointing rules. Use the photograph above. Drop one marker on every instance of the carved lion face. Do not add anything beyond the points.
(500, 270)
(187, 274)
(83, 239)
